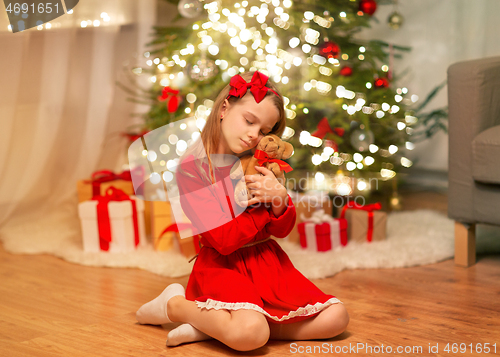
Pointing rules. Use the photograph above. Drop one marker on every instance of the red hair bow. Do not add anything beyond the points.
(324, 128)
(257, 86)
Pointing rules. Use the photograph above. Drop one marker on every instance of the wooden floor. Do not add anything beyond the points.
(49, 307)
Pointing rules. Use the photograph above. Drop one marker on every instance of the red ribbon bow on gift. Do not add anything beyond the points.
(325, 128)
(369, 208)
(112, 194)
(172, 97)
(107, 175)
(134, 136)
(262, 157)
(257, 86)
(99, 177)
(176, 227)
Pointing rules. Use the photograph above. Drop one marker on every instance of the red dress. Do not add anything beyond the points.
(227, 275)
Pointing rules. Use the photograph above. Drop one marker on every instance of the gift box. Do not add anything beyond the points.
(188, 246)
(113, 222)
(160, 213)
(163, 228)
(305, 205)
(365, 223)
(321, 232)
(187, 242)
(101, 180)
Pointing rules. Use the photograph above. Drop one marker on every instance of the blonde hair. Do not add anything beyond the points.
(207, 144)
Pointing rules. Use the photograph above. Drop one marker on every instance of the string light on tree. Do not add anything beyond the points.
(203, 69)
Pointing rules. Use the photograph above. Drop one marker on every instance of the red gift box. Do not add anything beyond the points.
(323, 233)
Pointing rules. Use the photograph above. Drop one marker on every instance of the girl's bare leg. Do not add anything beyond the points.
(242, 330)
(328, 323)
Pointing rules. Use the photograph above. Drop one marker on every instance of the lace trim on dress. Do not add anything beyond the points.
(301, 311)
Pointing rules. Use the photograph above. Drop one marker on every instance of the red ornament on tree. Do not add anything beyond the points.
(381, 83)
(171, 96)
(325, 128)
(368, 6)
(332, 144)
(346, 71)
(329, 49)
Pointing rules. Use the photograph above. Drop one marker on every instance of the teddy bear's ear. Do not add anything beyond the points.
(262, 143)
(288, 150)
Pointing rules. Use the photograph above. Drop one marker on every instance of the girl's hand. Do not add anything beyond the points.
(265, 188)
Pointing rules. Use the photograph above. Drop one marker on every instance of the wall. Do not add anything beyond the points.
(440, 32)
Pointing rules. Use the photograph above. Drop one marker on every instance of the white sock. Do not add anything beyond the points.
(185, 333)
(155, 311)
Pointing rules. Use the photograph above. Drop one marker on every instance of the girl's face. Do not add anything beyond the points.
(245, 123)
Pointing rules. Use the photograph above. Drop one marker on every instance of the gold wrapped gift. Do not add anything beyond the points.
(101, 181)
(160, 217)
(365, 223)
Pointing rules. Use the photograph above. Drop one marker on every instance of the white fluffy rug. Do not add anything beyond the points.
(413, 238)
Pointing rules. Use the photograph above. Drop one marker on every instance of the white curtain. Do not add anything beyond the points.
(61, 114)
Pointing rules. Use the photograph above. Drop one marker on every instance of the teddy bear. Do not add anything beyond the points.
(270, 151)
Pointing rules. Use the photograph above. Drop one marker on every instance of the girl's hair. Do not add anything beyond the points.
(210, 136)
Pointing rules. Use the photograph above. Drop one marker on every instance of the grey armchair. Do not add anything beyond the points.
(474, 151)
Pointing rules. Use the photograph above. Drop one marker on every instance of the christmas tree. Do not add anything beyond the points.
(344, 111)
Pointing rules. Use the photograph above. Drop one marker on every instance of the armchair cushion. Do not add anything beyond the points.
(486, 156)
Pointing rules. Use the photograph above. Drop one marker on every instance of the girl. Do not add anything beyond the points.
(243, 288)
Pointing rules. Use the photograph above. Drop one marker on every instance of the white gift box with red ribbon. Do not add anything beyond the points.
(121, 225)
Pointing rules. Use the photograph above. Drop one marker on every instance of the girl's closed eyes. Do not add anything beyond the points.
(249, 122)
